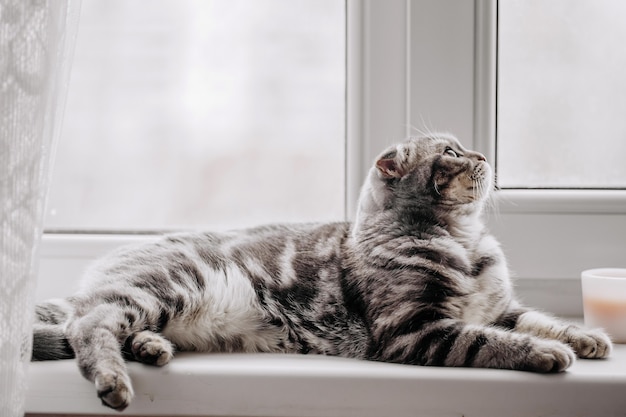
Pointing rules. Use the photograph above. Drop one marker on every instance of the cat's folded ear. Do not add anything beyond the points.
(389, 166)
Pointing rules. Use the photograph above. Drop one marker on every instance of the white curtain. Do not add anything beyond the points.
(36, 43)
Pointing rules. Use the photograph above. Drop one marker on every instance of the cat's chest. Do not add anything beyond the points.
(487, 287)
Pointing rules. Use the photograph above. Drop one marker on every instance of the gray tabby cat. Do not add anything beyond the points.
(417, 279)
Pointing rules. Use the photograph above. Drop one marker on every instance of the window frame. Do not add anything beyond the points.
(426, 62)
(549, 236)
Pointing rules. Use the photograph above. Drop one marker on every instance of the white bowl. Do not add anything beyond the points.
(604, 301)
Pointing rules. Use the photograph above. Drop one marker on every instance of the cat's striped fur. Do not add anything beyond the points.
(417, 279)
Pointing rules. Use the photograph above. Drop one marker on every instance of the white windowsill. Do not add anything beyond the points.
(310, 385)
(530, 201)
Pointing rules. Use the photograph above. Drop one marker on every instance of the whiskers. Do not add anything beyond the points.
(483, 189)
(427, 130)
(490, 204)
(478, 189)
(436, 188)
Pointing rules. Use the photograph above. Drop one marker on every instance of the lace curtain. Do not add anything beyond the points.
(36, 39)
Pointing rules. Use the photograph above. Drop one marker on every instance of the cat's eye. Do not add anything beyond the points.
(451, 152)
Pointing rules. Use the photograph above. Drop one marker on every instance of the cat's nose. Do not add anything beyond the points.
(479, 156)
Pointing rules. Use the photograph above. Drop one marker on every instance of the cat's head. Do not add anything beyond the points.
(429, 173)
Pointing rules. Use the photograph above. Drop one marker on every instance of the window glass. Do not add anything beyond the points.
(561, 94)
(186, 113)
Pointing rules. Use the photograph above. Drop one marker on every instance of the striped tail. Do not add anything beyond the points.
(49, 341)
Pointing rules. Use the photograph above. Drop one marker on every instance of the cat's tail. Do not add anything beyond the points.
(49, 341)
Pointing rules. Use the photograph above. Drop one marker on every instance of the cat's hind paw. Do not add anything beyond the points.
(589, 344)
(151, 348)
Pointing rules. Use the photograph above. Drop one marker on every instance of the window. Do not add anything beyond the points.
(193, 113)
(561, 94)
(415, 63)
(443, 56)
(553, 136)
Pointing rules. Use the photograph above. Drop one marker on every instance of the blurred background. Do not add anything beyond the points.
(202, 113)
(227, 113)
(561, 94)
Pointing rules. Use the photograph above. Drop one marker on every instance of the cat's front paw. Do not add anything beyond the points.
(548, 356)
(151, 348)
(589, 344)
(114, 389)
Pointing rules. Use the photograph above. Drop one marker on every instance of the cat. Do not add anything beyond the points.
(415, 279)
